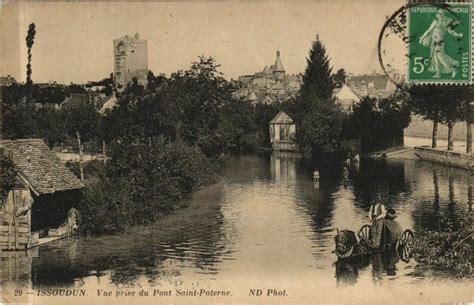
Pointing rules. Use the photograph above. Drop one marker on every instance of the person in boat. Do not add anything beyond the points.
(377, 213)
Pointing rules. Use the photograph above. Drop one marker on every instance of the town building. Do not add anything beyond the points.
(375, 85)
(346, 97)
(282, 133)
(42, 197)
(6, 81)
(271, 85)
(130, 61)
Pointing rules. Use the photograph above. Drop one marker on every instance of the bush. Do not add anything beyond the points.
(104, 208)
(447, 249)
(91, 169)
(142, 183)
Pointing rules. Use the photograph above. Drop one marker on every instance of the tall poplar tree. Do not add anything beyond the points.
(30, 40)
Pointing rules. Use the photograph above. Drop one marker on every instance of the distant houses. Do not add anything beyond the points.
(271, 85)
(373, 85)
(43, 194)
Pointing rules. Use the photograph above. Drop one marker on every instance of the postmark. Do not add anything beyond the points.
(439, 43)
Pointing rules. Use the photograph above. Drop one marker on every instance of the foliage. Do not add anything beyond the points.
(317, 80)
(264, 113)
(378, 122)
(447, 249)
(142, 182)
(83, 118)
(340, 78)
(8, 172)
(30, 40)
(92, 169)
(195, 107)
(103, 209)
(320, 131)
(318, 119)
(237, 127)
(442, 103)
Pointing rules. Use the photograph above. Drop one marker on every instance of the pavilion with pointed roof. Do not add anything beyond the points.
(283, 132)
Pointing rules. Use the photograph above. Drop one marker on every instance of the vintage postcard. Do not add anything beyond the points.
(236, 152)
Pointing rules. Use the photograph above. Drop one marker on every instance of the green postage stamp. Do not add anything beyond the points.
(439, 46)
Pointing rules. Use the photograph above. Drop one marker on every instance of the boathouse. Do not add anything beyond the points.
(43, 193)
(283, 132)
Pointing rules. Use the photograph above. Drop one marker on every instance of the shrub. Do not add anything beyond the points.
(447, 249)
(104, 208)
(142, 183)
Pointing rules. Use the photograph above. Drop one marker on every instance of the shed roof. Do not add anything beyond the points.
(281, 118)
(39, 167)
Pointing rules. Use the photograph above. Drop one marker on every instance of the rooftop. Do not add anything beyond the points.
(281, 118)
(39, 167)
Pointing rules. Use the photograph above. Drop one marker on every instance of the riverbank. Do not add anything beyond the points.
(451, 158)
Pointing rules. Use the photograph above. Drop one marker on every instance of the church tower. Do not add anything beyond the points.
(278, 70)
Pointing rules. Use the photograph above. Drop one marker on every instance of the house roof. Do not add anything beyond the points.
(7, 80)
(267, 70)
(282, 118)
(109, 104)
(379, 81)
(76, 99)
(251, 96)
(39, 167)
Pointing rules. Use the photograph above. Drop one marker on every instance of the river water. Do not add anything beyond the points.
(265, 225)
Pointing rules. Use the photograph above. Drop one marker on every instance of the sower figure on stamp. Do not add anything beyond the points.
(377, 213)
(434, 37)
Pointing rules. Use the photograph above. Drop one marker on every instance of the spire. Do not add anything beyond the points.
(278, 67)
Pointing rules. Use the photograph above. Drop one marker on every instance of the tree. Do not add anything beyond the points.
(470, 114)
(320, 131)
(379, 123)
(191, 103)
(428, 101)
(340, 78)
(318, 83)
(318, 119)
(8, 173)
(30, 40)
(82, 117)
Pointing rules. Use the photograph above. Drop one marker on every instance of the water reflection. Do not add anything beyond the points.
(266, 221)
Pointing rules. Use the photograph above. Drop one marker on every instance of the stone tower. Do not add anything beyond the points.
(130, 60)
(278, 70)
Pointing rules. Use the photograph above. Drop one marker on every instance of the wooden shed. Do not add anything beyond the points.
(43, 193)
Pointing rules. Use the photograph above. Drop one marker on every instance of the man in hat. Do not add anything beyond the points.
(393, 227)
(377, 213)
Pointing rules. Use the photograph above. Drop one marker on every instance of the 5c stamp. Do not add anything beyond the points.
(439, 44)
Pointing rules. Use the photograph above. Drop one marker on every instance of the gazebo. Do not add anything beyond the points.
(283, 132)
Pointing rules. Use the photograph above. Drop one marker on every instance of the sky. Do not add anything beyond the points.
(73, 41)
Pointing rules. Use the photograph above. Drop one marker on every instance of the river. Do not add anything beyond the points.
(265, 225)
